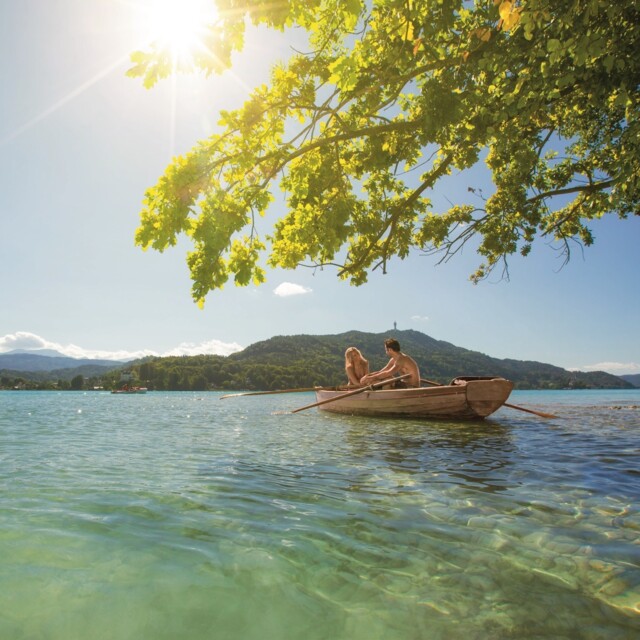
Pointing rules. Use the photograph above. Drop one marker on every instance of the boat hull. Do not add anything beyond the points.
(463, 399)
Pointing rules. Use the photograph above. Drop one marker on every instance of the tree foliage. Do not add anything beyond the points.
(390, 97)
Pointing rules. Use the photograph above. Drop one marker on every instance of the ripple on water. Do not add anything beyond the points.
(169, 515)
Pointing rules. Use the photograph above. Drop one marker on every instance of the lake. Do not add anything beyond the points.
(181, 515)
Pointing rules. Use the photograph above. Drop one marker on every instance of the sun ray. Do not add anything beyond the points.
(63, 101)
(179, 26)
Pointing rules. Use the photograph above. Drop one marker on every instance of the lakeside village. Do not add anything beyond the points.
(126, 380)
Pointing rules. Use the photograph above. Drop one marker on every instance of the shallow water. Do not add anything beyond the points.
(178, 515)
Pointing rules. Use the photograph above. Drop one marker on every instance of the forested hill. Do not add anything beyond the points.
(633, 378)
(286, 362)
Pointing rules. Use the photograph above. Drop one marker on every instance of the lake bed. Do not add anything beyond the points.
(171, 515)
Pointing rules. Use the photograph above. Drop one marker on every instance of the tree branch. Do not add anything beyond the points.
(391, 223)
(589, 188)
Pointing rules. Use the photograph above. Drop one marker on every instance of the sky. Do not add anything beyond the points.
(79, 145)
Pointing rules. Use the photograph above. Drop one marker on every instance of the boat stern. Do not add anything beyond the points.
(485, 397)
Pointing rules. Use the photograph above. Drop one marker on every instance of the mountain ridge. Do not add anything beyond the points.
(632, 378)
(32, 361)
(437, 359)
(305, 360)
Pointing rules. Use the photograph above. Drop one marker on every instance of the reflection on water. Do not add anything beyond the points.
(472, 452)
(177, 515)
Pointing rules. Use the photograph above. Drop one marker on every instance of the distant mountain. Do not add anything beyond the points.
(633, 379)
(438, 360)
(38, 352)
(52, 361)
(284, 362)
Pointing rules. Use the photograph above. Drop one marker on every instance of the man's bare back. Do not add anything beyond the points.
(399, 365)
(405, 364)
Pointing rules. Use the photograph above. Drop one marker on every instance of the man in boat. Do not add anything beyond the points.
(355, 365)
(399, 365)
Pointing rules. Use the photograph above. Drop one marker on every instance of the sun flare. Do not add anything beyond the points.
(178, 26)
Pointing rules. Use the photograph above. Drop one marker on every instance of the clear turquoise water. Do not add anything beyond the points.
(183, 516)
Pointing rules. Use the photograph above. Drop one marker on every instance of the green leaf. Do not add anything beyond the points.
(543, 92)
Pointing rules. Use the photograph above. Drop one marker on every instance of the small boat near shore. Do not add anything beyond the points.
(464, 398)
(131, 390)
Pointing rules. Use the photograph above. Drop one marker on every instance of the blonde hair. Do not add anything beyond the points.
(355, 364)
(350, 352)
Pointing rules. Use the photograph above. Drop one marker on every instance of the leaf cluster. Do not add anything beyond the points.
(391, 97)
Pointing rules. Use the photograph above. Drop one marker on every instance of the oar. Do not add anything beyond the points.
(353, 393)
(435, 384)
(535, 413)
(506, 404)
(264, 393)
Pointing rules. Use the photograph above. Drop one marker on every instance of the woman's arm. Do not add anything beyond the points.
(380, 375)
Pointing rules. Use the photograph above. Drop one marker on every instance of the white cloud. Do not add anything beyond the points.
(615, 368)
(213, 347)
(73, 351)
(287, 289)
(24, 340)
(420, 318)
(32, 342)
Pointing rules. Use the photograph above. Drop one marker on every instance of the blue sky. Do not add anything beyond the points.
(79, 144)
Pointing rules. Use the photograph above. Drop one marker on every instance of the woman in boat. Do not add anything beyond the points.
(355, 366)
(400, 364)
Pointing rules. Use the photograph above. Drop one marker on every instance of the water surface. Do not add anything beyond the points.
(181, 515)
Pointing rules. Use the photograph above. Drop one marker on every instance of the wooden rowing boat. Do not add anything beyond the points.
(465, 398)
